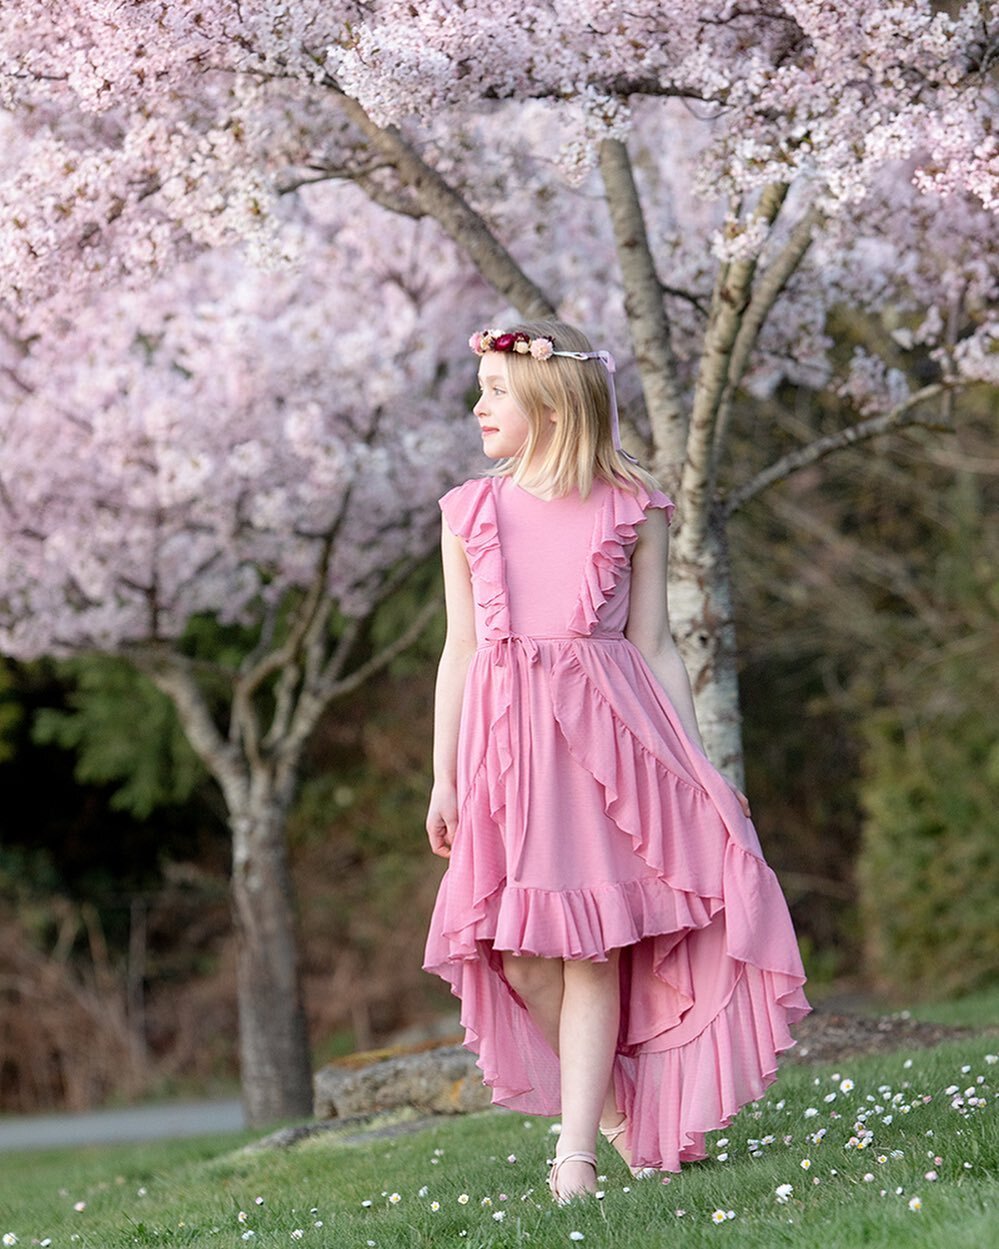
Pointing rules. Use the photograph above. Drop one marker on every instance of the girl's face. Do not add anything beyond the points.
(503, 424)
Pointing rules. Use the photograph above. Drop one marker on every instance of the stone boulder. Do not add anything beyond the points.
(442, 1080)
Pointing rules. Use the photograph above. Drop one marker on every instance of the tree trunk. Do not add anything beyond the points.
(275, 1065)
(702, 618)
(276, 1069)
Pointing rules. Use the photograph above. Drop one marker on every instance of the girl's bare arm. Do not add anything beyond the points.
(459, 645)
(648, 619)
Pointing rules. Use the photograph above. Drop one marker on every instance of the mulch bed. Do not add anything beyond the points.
(828, 1037)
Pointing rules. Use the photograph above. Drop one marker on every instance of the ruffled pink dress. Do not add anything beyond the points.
(589, 822)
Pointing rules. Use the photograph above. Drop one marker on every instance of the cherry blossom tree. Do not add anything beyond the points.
(255, 448)
(707, 183)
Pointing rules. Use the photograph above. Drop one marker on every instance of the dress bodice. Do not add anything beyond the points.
(548, 567)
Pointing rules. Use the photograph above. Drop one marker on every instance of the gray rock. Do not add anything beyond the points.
(435, 1081)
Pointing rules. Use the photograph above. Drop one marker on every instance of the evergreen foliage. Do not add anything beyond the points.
(125, 733)
(928, 869)
(10, 713)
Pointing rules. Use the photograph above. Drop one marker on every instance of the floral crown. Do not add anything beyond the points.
(496, 340)
(543, 348)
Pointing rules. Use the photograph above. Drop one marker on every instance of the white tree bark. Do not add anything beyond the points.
(686, 454)
(646, 312)
(703, 622)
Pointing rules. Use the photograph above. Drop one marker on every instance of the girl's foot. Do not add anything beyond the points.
(615, 1136)
(576, 1181)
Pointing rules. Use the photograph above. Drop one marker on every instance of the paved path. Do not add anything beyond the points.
(136, 1123)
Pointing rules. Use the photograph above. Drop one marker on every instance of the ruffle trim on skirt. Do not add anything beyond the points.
(673, 1097)
(567, 923)
(673, 1094)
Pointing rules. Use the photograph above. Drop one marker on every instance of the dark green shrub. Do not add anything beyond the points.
(928, 870)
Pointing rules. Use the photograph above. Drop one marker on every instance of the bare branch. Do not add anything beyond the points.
(322, 680)
(341, 653)
(643, 304)
(688, 297)
(385, 656)
(301, 677)
(881, 568)
(904, 414)
(252, 677)
(332, 173)
(172, 675)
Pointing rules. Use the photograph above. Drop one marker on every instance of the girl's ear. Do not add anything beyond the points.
(551, 415)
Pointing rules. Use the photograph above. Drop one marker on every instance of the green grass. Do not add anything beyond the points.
(193, 1193)
(977, 1010)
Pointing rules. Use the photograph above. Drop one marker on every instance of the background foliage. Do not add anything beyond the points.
(869, 688)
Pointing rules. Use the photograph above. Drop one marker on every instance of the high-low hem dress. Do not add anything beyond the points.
(589, 822)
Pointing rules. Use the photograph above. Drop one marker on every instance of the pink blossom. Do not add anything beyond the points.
(541, 349)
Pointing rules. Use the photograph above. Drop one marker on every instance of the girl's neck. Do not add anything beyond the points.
(530, 481)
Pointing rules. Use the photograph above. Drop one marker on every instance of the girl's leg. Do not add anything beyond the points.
(588, 1031)
(538, 983)
(575, 1005)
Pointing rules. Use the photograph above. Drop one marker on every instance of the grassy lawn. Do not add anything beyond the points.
(932, 1115)
(977, 1010)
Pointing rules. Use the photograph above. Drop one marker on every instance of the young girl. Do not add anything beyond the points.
(623, 955)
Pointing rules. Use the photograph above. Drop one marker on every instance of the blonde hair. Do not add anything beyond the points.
(581, 447)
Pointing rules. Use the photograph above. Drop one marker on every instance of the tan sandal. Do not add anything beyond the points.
(610, 1135)
(576, 1155)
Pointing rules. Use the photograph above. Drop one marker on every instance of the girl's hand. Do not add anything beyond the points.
(743, 801)
(442, 819)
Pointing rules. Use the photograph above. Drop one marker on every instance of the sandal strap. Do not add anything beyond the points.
(611, 1134)
(576, 1155)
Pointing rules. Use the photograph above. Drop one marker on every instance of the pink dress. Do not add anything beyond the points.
(588, 822)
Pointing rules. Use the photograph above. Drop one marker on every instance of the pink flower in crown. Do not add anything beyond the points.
(541, 348)
(475, 342)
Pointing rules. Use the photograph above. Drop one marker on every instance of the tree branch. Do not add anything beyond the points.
(171, 674)
(331, 173)
(455, 217)
(349, 683)
(766, 292)
(302, 676)
(879, 568)
(316, 697)
(646, 312)
(729, 302)
(263, 666)
(904, 414)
